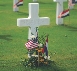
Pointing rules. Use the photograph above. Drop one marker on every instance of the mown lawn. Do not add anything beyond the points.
(62, 38)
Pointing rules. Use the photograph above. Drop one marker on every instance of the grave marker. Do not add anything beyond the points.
(15, 9)
(70, 4)
(33, 21)
(59, 9)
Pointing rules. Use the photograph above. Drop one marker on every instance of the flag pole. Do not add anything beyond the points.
(69, 16)
(69, 11)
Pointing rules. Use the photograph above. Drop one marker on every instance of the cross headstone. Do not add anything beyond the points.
(70, 4)
(59, 9)
(33, 21)
(15, 9)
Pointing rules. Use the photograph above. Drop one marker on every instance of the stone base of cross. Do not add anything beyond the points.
(15, 8)
(59, 9)
(70, 7)
(33, 21)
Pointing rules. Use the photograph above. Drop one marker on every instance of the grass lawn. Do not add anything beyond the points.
(62, 38)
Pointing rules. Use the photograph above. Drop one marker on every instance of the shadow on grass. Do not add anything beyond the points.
(51, 67)
(45, 3)
(70, 27)
(6, 37)
(2, 5)
(22, 13)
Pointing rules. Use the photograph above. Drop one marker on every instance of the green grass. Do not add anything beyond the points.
(62, 39)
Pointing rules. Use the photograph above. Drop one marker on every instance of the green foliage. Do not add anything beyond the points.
(32, 63)
(62, 39)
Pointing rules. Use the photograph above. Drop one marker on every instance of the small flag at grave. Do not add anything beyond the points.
(46, 46)
(45, 49)
(71, 3)
(31, 45)
(19, 3)
(63, 14)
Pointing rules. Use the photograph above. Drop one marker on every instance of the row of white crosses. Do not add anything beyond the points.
(33, 21)
(59, 9)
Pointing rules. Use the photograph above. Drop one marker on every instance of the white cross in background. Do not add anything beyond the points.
(15, 8)
(59, 9)
(33, 21)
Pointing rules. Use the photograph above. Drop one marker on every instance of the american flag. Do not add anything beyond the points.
(64, 14)
(19, 3)
(71, 2)
(31, 45)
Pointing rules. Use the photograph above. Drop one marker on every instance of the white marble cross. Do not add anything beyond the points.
(59, 9)
(70, 4)
(15, 9)
(33, 21)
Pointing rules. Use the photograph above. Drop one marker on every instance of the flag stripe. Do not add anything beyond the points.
(65, 11)
(64, 14)
(20, 4)
(20, 0)
(30, 44)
